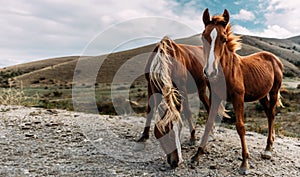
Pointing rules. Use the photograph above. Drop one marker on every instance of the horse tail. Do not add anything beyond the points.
(160, 75)
(222, 111)
(280, 66)
(279, 102)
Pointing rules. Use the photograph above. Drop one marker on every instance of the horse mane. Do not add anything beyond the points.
(160, 75)
(174, 50)
(168, 109)
(233, 41)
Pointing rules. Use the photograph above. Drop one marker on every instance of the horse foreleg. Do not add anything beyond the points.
(238, 105)
(188, 115)
(146, 132)
(153, 100)
(215, 103)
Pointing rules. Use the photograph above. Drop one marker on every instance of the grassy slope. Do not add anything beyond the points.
(61, 70)
(52, 78)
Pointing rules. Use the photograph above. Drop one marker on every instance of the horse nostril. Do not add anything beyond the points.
(214, 73)
(211, 75)
(172, 163)
(169, 159)
(205, 72)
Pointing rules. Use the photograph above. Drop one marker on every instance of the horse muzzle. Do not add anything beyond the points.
(174, 163)
(210, 74)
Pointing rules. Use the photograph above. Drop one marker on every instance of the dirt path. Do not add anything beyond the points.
(39, 142)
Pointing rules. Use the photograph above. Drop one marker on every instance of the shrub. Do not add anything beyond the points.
(12, 96)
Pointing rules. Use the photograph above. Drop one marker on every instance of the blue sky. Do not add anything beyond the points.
(39, 29)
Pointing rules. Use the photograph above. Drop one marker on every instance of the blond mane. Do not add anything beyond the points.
(233, 41)
(168, 107)
(160, 75)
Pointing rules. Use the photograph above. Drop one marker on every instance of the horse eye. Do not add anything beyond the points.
(224, 40)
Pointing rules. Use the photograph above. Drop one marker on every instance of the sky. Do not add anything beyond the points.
(41, 29)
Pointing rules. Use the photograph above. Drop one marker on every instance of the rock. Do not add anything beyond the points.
(25, 126)
(139, 146)
(37, 122)
(213, 166)
(30, 135)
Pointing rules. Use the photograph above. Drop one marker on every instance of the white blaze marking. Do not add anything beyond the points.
(211, 57)
(177, 141)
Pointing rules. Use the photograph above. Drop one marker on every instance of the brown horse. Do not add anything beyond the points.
(249, 78)
(172, 72)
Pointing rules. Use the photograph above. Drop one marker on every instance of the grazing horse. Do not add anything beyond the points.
(247, 78)
(172, 72)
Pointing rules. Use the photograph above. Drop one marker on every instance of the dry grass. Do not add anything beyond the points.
(12, 96)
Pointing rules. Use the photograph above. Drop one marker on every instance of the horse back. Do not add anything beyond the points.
(187, 64)
(194, 62)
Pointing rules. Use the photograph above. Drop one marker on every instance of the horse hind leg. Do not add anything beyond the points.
(269, 106)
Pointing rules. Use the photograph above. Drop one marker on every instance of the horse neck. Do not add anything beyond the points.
(229, 62)
(178, 53)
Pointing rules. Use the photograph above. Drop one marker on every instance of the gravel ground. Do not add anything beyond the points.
(39, 142)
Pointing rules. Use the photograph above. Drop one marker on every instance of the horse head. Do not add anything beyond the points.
(217, 38)
(168, 126)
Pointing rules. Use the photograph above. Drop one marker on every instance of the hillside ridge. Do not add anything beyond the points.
(61, 70)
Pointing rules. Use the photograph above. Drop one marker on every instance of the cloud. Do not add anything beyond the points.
(280, 20)
(44, 29)
(244, 15)
(48, 28)
(270, 31)
(284, 14)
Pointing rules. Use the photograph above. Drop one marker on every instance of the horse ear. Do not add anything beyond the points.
(206, 17)
(226, 17)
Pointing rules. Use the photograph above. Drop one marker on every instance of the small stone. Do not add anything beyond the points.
(213, 167)
(52, 111)
(37, 122)
(28, 124)
(25, 126)
(30, 135)
(163, 168)
(139, 146)
(51, 124)
(54, 124)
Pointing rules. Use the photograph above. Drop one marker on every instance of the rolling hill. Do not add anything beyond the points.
(60, 71)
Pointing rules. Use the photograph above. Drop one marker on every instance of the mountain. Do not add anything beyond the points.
(60, 71)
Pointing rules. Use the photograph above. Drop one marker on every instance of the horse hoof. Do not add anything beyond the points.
(195, 160)
(143, 139)
(192, 164)
(266, 155)
(244, 171)
(139, 146)
(192, 142)
(211, 138)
